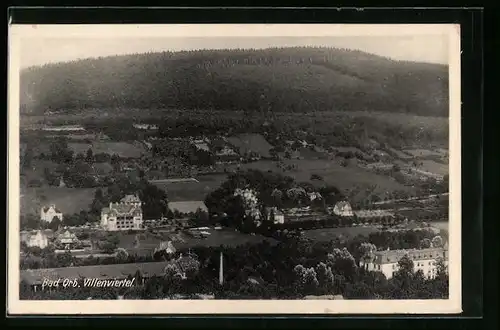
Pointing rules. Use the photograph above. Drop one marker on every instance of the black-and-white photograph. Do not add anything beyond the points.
(210, 164)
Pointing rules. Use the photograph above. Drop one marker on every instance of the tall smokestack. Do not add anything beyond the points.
(221, 270)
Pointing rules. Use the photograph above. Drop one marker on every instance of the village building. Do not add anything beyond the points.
(124, 215)
(275, 215)
(48, 214)
(366, 214)
(182, 265)
(165, 246)
(387, 261)
(38, 238)
(343, 209)
(146, 126)
(67, 240)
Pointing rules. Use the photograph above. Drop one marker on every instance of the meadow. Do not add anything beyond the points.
(191, 190)
(345, 178)
(327, 234)
(68, 200)
(149, 241)
(434, 167)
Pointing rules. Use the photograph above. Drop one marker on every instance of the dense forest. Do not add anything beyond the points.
(300, 79)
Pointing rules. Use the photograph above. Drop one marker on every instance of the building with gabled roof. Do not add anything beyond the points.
(124, 215)
(387, 261)
(38, 238)
(47, 213)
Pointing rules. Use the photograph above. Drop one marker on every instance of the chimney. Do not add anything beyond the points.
(221, 270)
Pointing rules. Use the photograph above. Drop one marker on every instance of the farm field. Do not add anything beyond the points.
(68, 200)
(328, 234)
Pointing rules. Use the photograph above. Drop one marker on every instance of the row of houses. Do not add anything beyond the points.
(43, 238)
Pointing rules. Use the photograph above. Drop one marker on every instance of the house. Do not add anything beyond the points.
(49, 213)
(182, 265)
(124, 215)
(67, 240)
(186, 207)
(343, 209)
(275, 215)
(365, 214)
(168, 247)
(387, 261)
(38, 238)
(145, 126)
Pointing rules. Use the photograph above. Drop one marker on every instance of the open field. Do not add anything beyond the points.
(328, 234)
(333, 173)
(68, 200)
(179, 191)
(251, 142)
(149, 241)
(434, 167)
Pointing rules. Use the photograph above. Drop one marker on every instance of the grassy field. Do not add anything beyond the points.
(434, 167)
(192, 191)
(149, 241)
(333, 173)
(328, 234)
(68, 200)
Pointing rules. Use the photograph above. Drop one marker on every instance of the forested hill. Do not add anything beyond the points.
(299, 79)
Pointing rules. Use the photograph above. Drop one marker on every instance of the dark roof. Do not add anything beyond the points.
(46, 208)
(120, 271)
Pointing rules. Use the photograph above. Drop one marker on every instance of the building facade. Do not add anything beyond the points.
(124, 215)
(48, 213)
(343, 209)
(425, 260)
(67, 240)
(35, 239)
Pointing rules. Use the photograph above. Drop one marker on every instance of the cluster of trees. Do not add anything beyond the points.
(270, 189)
(31, 222)
(258, 81)
(288, 270)
(154, 200)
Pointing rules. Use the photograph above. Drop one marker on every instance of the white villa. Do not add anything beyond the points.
(37, 238)
(124, 215)
(343, 209)
(424, 259)
(277, 216)
(48, 213)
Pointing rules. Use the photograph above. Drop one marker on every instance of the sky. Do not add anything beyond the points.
(42, 50)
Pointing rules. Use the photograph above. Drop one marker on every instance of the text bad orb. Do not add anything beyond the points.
(88, 283)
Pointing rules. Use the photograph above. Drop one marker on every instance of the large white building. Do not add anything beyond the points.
(424, 260)
(124, 215)
(48, 213)
(343, 209)
(39, 238)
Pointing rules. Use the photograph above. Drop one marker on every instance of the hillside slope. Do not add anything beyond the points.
(298, 79)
